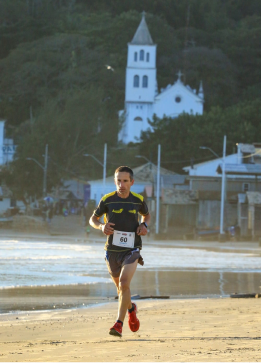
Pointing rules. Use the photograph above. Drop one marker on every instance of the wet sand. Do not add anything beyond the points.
(176, 284)
(198, 330)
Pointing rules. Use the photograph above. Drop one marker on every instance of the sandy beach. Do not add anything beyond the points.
(193, 330)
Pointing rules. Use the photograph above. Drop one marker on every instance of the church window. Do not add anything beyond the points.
(135, 57)
(148, 57)
(142, 55)
(138, 118)
(178, 99)
(136, 82)
(145, 81)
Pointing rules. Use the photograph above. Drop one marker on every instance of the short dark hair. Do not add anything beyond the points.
(125, 169)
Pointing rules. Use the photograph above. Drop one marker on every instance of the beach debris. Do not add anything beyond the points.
(245, 296)
(138, 297)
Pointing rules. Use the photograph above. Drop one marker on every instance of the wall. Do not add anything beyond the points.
(208, 214)
(131, 128)
(140, 68)
(4, 205)
(231, 185)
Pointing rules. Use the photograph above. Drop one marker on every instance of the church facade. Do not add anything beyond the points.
(142, 99)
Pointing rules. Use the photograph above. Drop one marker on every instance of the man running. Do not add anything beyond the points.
(123, 245)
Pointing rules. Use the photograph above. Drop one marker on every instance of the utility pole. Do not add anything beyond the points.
(223, 188)
(104, 167)
(158, 192)
(45, 170)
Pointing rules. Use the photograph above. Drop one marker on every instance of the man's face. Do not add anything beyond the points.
(123, 183)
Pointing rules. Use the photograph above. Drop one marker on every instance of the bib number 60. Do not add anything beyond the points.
(123, 239)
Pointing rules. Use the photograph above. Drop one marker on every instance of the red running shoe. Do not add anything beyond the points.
(134, 323)
(116, 330)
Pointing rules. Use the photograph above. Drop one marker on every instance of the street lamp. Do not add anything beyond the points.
(43, 167)
(208, 148)
(102, 164)
(144, 157)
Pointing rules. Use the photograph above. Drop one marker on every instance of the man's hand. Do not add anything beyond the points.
(107, 229)
(142, 230)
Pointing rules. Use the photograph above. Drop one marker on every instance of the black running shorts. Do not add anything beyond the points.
(116, 260)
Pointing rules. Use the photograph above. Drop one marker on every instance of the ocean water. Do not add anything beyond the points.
(39, 275)
(36, 263)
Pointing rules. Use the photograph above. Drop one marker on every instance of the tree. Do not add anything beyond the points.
(38, 71)
(76, 126)
(181, 137)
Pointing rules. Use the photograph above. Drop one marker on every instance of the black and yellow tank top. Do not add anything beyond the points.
(124, 213)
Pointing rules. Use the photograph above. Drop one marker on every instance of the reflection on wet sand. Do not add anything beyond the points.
(176, 284)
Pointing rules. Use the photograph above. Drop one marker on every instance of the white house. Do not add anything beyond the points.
(209, 168)
(247, 157)
(142, 99)
(7, 147)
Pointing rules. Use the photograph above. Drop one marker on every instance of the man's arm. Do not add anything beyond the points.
(106, 228)
(142, 230)
(146, 219)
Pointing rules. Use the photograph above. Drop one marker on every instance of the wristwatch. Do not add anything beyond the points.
(145, 224)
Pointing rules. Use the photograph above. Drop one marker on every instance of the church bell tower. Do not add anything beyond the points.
(141, 84)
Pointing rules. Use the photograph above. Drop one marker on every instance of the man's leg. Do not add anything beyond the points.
(116, 281)
(125, 278)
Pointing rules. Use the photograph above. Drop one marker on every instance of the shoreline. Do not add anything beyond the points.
(150, 280)
(195, 330)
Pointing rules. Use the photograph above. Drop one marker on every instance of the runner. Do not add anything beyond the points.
(123, 245)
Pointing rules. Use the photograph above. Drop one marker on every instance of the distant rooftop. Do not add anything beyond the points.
(142, 174)
(240, 169)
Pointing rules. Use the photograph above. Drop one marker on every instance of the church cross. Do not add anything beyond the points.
(179, 74)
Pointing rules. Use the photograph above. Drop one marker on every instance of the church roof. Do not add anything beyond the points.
(142, 35)
(178, 85)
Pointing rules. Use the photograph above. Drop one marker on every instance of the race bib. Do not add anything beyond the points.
(123, 239)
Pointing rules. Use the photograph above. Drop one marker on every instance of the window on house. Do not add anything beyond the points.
(145, 81)
(148, 57)
(245, 187)
(138, 118)
(135, 57)
(142, 55)
(136, 81)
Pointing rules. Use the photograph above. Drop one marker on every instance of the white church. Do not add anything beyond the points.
(142, 99)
